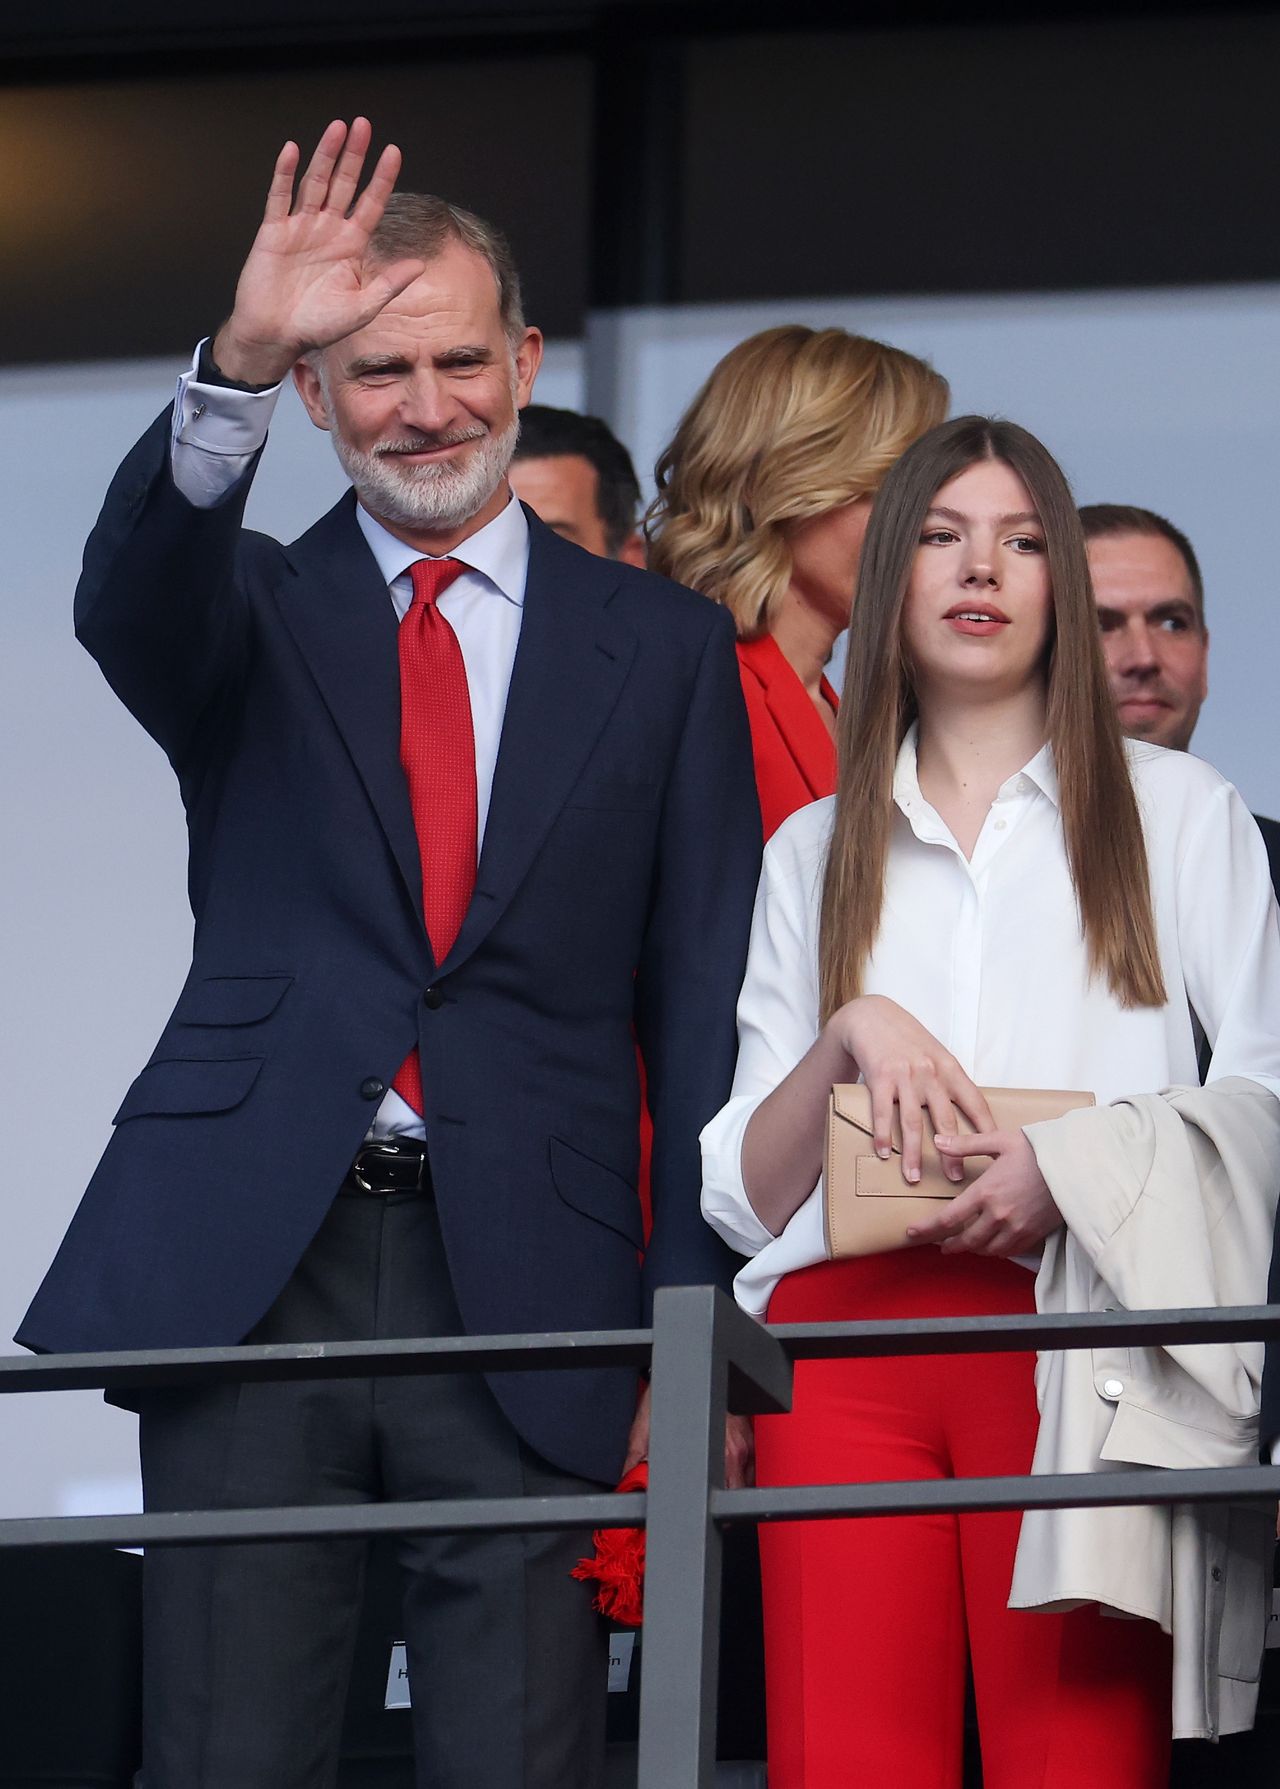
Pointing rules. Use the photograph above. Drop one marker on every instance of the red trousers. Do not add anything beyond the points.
(868, 1620)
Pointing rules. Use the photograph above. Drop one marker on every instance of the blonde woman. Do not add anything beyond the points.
(1002, 893)
(763, 500)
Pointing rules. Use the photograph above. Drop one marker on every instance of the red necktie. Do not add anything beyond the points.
(438, 751)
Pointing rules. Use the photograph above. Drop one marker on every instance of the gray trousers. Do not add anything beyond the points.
(247, 1650)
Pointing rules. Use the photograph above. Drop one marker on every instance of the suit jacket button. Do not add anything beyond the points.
(373, 1088)
(432, 999)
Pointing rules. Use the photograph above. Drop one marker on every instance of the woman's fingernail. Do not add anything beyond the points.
(883, 1151)
(913, 1174)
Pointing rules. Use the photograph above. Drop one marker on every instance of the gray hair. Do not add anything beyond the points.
(419, 226)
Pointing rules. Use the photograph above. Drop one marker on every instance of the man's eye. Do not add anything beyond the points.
(1175, 624)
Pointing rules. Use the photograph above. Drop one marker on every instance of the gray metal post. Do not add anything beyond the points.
(701, 1342)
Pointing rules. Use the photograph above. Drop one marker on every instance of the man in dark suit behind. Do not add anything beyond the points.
(363, 1119)
(1150, 596)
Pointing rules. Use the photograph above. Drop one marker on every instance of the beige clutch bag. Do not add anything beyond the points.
(867, 1204)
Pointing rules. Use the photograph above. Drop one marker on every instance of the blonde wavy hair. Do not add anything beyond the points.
(791, 424)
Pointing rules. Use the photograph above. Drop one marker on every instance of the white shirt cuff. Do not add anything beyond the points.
(216, 432)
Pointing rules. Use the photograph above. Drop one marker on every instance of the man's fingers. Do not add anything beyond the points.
(315, 182)
(372, 202)
(280, 192)
(390, 282)
(346, 174)
(739, 1452)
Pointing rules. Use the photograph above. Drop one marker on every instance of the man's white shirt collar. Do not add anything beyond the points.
(499, 551)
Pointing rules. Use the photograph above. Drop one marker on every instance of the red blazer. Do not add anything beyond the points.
(795, 756)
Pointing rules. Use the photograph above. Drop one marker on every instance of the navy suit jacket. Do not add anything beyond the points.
(614, 890)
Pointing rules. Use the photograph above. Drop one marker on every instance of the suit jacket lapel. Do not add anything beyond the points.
(337, 608)
(570, 665)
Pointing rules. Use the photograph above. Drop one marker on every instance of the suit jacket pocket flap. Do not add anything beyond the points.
(596, 1191)
(232, 999)
(189, 1085)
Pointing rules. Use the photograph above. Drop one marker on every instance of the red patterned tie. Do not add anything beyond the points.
(438, 751)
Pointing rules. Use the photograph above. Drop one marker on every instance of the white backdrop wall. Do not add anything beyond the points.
(1166, 400)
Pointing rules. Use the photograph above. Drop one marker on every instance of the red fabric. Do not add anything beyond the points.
(794, 754)
(437, 749)
(617, 1565)
(646, 1152)
(868, 1620)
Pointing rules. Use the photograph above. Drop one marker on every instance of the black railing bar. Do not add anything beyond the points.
(139, 1369)
(1009, 1334)
(479, 1515)
(963, 1496)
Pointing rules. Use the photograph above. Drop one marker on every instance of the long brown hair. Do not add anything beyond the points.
(1105, 847)
(791, 423)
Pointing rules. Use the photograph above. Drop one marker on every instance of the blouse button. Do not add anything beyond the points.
(1000, 825)
(1112, 1387)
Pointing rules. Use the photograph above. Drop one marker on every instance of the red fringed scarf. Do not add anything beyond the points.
(617, 1564)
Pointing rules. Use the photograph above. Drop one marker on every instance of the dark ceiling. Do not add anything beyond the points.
(637, 153)
(39, 39)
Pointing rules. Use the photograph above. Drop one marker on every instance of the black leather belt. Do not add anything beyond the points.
(391, 1165)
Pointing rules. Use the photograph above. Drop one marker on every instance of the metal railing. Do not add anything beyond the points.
(707, 1358)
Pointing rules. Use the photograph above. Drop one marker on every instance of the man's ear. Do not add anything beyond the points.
(1204, 670)
(632, 551)
(307, 380)
(526, 358)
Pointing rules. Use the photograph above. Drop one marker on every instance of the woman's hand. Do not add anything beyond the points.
(1008, 1210)
(904, 1066)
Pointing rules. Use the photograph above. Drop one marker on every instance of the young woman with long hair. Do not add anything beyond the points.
(763, 498)
(1001, 893)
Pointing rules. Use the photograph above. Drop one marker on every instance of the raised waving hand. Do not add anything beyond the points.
(306, 282)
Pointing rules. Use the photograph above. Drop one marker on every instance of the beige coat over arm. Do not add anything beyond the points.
(1169, 1201)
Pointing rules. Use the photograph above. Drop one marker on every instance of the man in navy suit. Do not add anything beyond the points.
(273, 1175)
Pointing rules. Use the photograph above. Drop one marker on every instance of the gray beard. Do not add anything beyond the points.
(433, 496)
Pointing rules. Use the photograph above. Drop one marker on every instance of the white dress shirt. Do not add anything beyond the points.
(988, 956)
(216, 432)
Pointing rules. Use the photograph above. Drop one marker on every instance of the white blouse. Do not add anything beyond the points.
(988, 955)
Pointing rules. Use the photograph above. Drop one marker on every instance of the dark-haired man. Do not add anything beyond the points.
(576, 475)
(1150, 596)
(470, 810)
